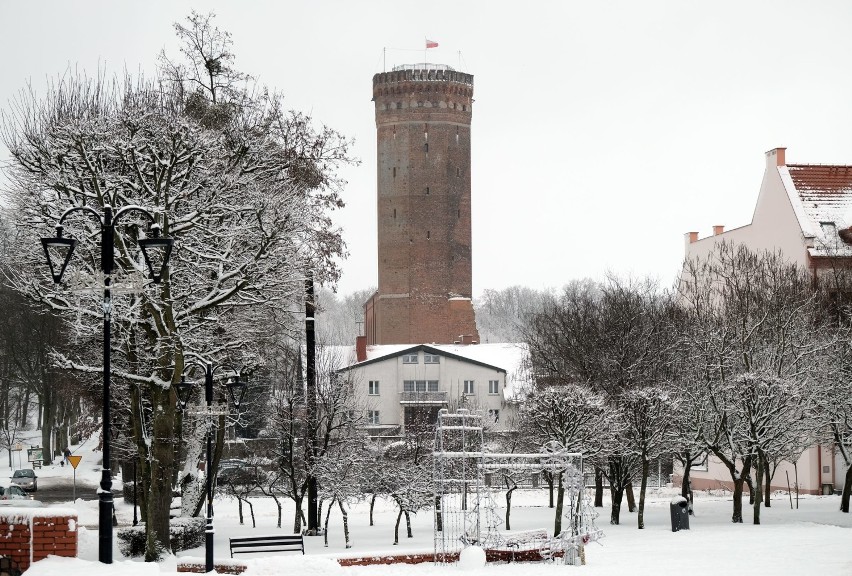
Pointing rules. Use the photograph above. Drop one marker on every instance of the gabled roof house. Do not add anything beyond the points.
(402, 385)
(805, 212)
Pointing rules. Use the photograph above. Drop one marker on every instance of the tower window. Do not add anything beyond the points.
(427, 190)
(428, 234)
(426, 146)
(394, 212)
(394, 171)
(458, 172)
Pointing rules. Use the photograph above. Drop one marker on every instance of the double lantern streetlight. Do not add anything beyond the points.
(236, 392)
(156, 250)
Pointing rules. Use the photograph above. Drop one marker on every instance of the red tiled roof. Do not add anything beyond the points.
(824, 178)
(826, 195)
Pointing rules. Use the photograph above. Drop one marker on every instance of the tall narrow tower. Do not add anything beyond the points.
(423, 115)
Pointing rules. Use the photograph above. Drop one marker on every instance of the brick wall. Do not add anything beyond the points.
(423, 140)
(28, 535)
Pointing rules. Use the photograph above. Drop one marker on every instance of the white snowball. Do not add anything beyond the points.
(472, 557)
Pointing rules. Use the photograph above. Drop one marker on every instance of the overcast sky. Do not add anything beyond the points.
(602, 131)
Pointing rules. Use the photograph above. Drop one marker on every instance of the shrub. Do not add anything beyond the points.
(184, 533)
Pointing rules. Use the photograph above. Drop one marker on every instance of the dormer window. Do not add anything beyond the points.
(409, 359)
(431, 359)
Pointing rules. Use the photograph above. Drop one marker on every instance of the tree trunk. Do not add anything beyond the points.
(325, 525)
(560, 501)
(251, 512)
(847, 490)
(161, 466)
(767, 493)
(345, 515)
(240, 510)
(439, 518)
(509, 505)
(643, 487)
(737, 517)
(408, 524)
(548, 477)
(684, 486)
(372, 506)
(48, 419)
(758, 488)
(616, 496)
(297, 520)
(396, 528)
(277, 505)
(598, 488)
(631, 498)
(750, 485)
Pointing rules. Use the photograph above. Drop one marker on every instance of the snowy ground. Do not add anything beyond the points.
(813, 539)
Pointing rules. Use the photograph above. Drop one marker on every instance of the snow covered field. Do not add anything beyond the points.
(814, 539)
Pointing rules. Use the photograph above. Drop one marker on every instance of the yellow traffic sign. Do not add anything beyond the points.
(74, 460)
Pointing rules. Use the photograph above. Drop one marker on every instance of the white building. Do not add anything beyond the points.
(805, 212)
(403, 384)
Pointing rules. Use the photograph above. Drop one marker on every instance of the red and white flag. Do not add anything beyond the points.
(431, 44)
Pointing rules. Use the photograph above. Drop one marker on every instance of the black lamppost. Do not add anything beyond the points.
(236, 391)
(64, 248)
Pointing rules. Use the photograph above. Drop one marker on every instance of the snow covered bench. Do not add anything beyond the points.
(276, 543)
(521, 538)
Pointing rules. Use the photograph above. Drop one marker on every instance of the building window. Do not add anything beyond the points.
(428, 234)
(427, 190)
(431, 359)
(373, 417)
(394, 171)
(493, 386)
(468, 387)
(494, 415)
(426, 146)
(419, 385)
(409, 359)
(373, 388)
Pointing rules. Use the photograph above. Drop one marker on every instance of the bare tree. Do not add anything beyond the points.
(752, 316)
(647, 414)
(573, 418)
(242, 185)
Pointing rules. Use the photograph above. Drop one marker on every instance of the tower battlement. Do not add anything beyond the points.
(419, 78)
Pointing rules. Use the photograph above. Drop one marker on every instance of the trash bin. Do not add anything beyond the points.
(679, 509)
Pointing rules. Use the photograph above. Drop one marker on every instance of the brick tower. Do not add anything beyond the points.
(423, 115)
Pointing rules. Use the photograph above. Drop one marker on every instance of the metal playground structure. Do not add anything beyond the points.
(465, 512)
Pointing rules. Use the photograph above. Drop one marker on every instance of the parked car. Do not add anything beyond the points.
(13, 496)
(25, 479)
(13, 492)
(234, 471)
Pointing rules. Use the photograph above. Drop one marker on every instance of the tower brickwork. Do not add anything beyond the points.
(423, 118)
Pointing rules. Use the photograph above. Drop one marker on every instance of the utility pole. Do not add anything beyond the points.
(311, 405)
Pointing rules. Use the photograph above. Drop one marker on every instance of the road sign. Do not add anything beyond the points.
(74, 460)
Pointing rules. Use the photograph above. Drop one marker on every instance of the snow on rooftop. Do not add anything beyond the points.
(506, 356)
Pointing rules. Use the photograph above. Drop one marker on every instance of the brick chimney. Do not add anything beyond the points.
(360, 348)
(776, 157)
(718, 229)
